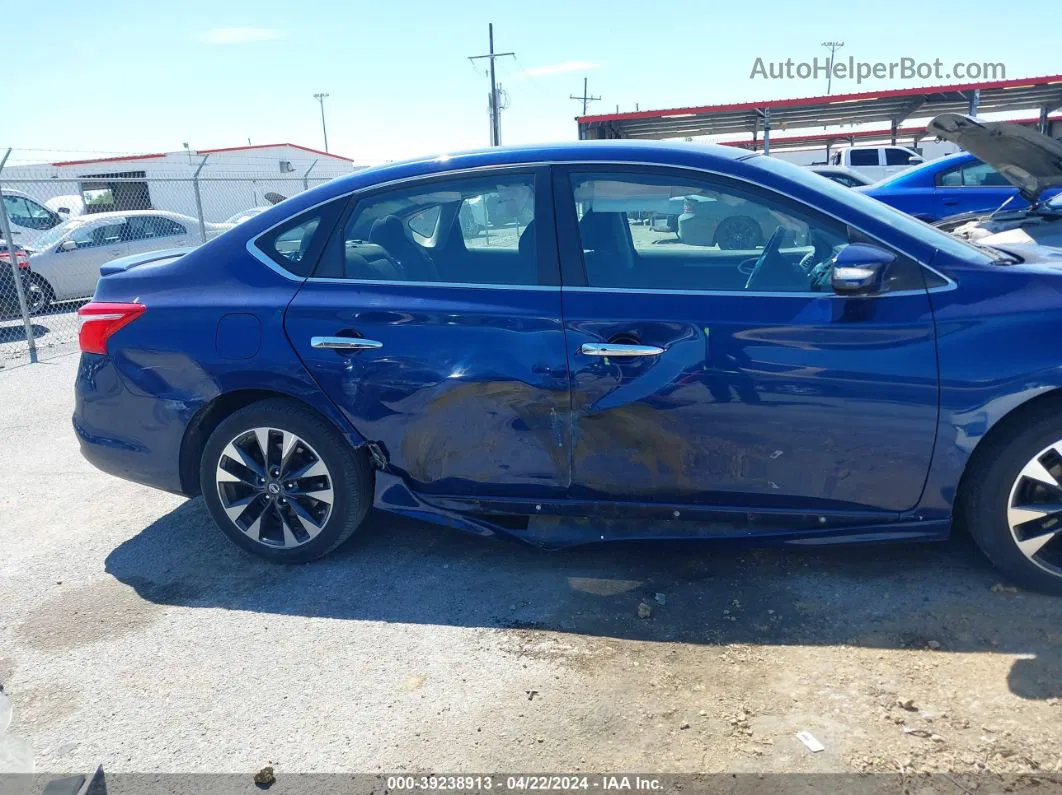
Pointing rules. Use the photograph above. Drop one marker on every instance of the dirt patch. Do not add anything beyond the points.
(81, 615)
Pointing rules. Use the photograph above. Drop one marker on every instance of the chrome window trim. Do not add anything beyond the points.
(262, 257)
(461, 285)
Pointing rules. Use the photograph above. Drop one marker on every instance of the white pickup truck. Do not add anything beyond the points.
(876, 162)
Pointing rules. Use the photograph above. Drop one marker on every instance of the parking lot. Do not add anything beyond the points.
(133, 635)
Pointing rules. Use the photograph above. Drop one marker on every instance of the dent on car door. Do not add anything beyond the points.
(441, 339)
(746, 387)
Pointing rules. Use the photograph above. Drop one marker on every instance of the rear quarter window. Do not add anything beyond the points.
(295, 245)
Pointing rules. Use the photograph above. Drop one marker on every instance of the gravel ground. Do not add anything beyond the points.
(133, 635)
(55, 333)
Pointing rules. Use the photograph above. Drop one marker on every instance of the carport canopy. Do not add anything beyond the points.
(894, 106)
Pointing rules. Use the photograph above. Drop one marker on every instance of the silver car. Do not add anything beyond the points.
(65, 261)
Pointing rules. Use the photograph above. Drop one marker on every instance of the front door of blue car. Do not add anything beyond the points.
(736, 377)
(433, 321)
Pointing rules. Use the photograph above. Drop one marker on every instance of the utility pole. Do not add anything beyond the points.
(833, 47)
(321, 98)
(495, 119)
(586, 99)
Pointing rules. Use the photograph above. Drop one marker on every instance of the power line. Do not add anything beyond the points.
(495, 120)
(586, 99)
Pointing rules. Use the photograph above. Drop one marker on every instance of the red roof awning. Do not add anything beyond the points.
(893, 105)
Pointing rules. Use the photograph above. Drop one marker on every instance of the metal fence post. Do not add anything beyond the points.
(199, 199)
(5, 230)
(306, 176)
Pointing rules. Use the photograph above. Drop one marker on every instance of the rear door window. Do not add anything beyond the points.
(477, 230)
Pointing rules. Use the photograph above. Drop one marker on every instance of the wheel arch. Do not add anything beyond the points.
(1042, 404)
(209, 416)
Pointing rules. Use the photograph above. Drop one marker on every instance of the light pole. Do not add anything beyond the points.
(833, 47)
(324, 130)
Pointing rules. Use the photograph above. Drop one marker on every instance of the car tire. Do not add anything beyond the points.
(1012, 472)
(39, 294)
(738, 233)
(295, 503)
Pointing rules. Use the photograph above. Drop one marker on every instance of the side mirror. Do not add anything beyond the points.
(914, 161)
(860, 269)
(68, 245)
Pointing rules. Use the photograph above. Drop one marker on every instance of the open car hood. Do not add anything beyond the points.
(1029, 160)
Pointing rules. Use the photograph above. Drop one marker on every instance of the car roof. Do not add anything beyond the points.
(88, 217)
(930, 167)
(627, 151)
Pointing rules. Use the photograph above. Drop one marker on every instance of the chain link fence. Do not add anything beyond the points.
(58, 229)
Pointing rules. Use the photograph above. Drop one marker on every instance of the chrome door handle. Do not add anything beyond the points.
(345, 343)
(608, 349)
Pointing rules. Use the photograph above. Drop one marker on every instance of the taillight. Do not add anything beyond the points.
(687, 206)
(20, 257)
(99, 320)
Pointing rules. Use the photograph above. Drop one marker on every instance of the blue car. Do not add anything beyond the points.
(955, 185)
(568, 374)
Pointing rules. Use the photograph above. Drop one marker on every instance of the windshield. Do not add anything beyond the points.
(53, 236)
(882, 212)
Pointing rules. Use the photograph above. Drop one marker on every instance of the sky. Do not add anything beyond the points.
(124, 77)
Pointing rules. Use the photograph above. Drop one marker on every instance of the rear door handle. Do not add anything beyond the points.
(951, 202)
(345, 343)
(610, 349)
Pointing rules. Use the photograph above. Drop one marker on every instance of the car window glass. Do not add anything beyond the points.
(144, 227)
(952, 178)
(90, 236)
(864, 157)
(472, 230)
(897, 157)
(290, 245)
(982, 175)
(640, 231)
(423, 224)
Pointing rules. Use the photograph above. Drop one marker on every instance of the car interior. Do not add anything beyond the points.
(379, 244)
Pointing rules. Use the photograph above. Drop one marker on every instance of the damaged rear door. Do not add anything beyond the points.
(703, 375)
(433, 321)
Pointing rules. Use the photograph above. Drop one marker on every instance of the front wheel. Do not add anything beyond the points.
(39, 294)
(1013, 504)
(282, 483)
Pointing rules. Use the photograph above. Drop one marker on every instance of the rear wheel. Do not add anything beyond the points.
(1013, 504)
(282, 483)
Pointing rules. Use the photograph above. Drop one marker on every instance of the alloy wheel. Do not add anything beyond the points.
(1034, 509)
(274, 487)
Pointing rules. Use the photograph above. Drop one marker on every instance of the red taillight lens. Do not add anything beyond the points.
(99, 320)
(687, 206)
(20, 257)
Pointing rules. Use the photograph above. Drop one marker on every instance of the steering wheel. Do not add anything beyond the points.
(770, 263)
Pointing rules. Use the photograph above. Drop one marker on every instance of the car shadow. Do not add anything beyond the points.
(17, 333)
(942, 597)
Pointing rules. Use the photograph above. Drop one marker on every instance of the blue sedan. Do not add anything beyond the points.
(952, 185)
(566, 373)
